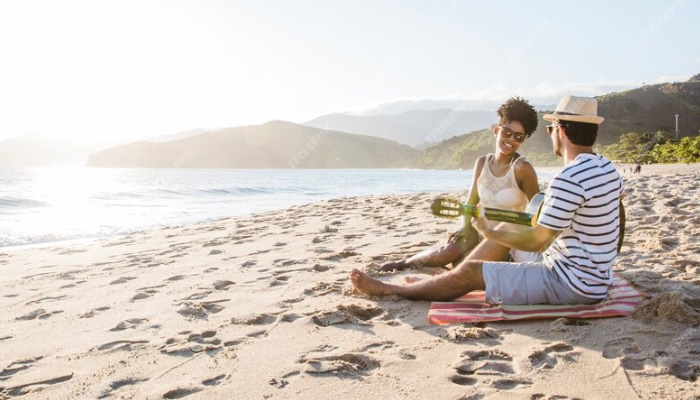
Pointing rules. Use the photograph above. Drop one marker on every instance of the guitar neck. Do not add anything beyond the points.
(495, 214)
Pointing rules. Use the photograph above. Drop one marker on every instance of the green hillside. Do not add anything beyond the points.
(649, 109)
(463, 151)
(646, 109)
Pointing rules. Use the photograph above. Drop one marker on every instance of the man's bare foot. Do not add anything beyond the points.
(368, 285)
(394, 266)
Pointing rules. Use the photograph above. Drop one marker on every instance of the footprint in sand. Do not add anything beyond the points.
(620, 347)
(215, 380)
(128, 324)
(463, 333)
(200, 310)
(17, 366)
(122, 280)
(564, 324)
(198, 295)
(190, 343)
(181, 392)
(222, 284)
(547, 357)
(356, 314)
(682, 369)
(94, 312)
(116, 385)
(119, 345)
(349, 365)
(542, 396)
(489, 365)
(23, 389)
(279, 281)
(45, 299)
(257, 319)
(483, 363)
(324, 288)
(341, 256)
(320, 268)
(144, 295)
(38, 314)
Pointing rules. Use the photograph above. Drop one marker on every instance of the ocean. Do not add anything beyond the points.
(39, 205)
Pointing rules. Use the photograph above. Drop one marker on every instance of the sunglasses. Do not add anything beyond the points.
(506, 133)
(551, 128)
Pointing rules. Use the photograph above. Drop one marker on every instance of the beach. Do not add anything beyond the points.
(260, 306)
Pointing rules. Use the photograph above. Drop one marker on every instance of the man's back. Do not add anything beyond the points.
(583, 203)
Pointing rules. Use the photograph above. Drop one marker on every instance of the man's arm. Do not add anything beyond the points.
(536, 239)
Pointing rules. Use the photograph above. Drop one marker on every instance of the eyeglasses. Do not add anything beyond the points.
(552, 128)
(506, 133)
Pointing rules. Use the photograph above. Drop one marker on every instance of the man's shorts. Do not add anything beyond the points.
(527, 281)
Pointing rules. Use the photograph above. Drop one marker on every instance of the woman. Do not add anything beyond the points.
(503, 179)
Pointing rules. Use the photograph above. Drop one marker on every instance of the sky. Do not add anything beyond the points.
(124, 70)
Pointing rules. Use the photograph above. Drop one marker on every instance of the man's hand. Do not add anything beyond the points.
(535, 239)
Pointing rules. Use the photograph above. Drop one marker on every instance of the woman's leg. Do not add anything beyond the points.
(449, 253)
(484, 251)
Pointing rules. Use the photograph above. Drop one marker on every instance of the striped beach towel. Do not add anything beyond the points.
(472, 307)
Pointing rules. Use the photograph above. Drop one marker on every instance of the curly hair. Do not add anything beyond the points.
(518, 109)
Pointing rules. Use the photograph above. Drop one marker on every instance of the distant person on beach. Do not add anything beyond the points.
(503, 179)
(577, 232)
(637, 169)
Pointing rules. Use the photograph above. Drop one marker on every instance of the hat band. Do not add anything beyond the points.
(564, 113)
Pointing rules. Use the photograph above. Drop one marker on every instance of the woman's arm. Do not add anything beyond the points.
(526, 177)
(472, 199)
(474, 190)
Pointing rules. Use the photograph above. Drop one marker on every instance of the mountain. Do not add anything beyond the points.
(646, 109)
(179, 135)
(462, 151)
(650, 108)
(276, 144)
(412, 127)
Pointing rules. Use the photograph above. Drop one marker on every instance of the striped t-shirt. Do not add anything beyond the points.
(583, 202)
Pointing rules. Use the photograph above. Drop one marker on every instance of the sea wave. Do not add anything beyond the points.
(19, 203)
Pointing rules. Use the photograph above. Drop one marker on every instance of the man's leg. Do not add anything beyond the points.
(467, 276)
(487, 251)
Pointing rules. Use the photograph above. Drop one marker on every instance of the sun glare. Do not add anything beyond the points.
(67, 192)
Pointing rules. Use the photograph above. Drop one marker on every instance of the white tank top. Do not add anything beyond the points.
(501, 192)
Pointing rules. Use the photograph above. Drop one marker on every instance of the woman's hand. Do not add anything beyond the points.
(480, 223)
(454, 236)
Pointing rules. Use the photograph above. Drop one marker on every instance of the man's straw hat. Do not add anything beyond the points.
(577, 109)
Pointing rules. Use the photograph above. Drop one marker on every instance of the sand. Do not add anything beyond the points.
(259, 307)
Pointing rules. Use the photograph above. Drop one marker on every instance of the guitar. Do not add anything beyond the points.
(448, 207)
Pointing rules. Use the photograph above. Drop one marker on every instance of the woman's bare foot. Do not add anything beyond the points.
(394, 266)
(414, 278)
(368, 285)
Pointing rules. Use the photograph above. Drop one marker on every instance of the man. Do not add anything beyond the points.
(577, 231)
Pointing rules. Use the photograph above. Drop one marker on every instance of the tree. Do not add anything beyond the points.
(633, 147)
(688, 150)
